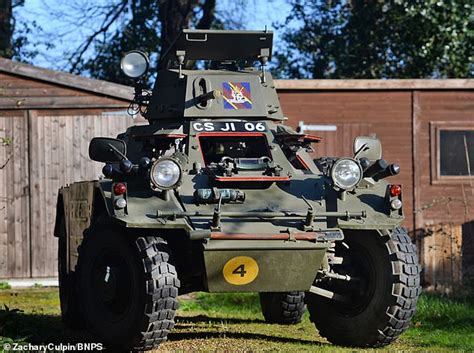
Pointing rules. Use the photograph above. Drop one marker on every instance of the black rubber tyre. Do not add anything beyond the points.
(70, 314)
(128, 290)
(285, 308)
(381, 307)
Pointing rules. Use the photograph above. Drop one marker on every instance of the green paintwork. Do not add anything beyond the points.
(176, 108)
(276, 273)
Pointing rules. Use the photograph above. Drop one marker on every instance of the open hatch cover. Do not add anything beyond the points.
(218, 46)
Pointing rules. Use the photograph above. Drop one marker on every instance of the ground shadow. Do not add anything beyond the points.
(218, 320)
(207, 332)
(43, 329)
(38, 329)
(182, 336)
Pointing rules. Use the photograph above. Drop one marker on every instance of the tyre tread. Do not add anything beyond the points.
(161, 292)
(286, 308)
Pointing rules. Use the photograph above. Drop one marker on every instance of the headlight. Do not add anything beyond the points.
(346, 173)
(165, 174)
(134, 64)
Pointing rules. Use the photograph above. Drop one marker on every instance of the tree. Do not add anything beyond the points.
(124, 25)
(378, 39)
(139, 30)
(6, 28)
(14, 34)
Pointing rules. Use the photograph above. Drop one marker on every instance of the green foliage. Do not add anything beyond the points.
(5, 141)
(4, 285)
(378, 39)
(444, 322)
(223, 304)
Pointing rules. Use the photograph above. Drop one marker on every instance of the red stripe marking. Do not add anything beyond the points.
(236, 134)
(279, 236)
(305, 166)
(262, 178)
(313, 138)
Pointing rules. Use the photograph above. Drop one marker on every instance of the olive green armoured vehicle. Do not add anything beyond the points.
(216, 194)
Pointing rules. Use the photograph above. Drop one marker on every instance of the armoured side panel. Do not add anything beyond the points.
(78, 199)
(253, 265)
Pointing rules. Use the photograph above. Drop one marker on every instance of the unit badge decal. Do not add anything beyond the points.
(237, 95)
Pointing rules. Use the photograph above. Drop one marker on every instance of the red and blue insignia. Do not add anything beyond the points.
(237, 95)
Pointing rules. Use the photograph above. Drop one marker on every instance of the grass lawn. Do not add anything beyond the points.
(233, 322)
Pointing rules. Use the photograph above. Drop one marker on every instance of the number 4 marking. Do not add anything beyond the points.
(240, 271)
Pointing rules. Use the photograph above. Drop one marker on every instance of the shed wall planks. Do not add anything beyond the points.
(60, 156)
(48, 149)
(388, 115)
(444, 201)
(14, 198)
(444, 209)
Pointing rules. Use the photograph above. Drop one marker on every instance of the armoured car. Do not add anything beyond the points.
(217, 194)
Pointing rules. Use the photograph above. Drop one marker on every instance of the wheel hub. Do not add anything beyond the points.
(109, 283)
(112, 282)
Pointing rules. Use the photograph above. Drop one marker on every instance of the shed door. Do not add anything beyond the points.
(14, 200)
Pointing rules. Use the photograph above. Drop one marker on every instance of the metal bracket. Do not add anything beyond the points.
(263, 57)
(327, 294)
(308, 224)
(180, 54)
(291, 235)
(216, 217)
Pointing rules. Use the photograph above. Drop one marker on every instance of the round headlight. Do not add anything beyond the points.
(165, 174)
(134, 64)
(346, 173)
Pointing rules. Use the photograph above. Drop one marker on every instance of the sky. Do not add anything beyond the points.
(261, 14)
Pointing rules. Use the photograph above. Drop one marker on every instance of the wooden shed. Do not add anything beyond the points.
(46, 121)
(51, 117)
(427, 127)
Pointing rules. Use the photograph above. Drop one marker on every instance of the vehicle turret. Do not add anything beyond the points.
(230, 87)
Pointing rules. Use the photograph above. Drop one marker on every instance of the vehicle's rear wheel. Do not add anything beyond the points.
(70, 314)
(285, 308)
(128, 290)
(379, 304)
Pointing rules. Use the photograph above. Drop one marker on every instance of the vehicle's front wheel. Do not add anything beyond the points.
(286, 308)
(127, 289)
(377, 305)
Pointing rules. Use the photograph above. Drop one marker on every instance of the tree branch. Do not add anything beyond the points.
(5, 163)
(208, 15)
(104, 28)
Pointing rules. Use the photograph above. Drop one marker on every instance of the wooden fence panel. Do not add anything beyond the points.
(14, 197)
(59, 155)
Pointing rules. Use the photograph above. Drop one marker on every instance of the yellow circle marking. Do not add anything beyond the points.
(240, 270)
